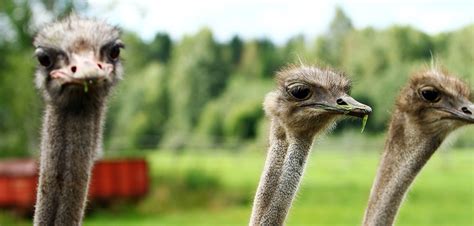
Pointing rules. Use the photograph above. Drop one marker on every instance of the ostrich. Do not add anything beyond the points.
(307, 102)
(78, 65)
(428, 108)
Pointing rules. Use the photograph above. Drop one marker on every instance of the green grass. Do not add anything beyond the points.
(216, 188)
(334, 190)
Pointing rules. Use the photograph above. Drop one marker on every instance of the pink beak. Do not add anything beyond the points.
(83, 67)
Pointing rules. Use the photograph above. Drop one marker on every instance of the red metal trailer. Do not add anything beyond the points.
(113, 178)
(119, 178)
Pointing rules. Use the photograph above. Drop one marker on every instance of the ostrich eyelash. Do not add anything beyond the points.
(111, 44)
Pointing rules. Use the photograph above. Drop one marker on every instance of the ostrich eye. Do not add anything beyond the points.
(44, 59)
(114, 52)
(430, 94)
(300, 92)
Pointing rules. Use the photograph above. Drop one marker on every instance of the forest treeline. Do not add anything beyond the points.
(199, 92)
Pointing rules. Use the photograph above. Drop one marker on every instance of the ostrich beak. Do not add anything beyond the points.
(349, 106)
(468, 111)
(463, 111)
(345, 105)
(83, 67)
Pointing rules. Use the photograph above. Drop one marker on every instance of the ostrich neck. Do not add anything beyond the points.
(407, 150)
(272, 171)
(299, 146)
(70, 139)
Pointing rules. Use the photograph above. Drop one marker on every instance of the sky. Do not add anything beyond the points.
(278, 20)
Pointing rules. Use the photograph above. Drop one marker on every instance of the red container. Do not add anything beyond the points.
(18, 180)
(111, 179)
(119, 178)
(21, 188)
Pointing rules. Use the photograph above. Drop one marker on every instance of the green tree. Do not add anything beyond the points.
(136, 53)
(160, 47)
(295, 50)
(260, 59)
(198, 74)
(236, 114)
(236, 46)
(20, 112)
(460, 53)
(404, 43)
(138, 115)
(329, 46)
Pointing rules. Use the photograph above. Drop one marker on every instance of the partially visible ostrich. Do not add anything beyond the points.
(78, 65)
(307, 102)
(428, 108)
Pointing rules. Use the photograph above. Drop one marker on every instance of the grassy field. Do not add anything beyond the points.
(217, 189)
(334, 190)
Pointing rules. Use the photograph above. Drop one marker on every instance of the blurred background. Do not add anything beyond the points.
(190, 103)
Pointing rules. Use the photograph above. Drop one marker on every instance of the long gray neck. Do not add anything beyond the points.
(271, 173)
(406, 152)
(288, 183)
(70, 139)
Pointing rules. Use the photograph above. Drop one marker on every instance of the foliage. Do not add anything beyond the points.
(160, 47)
(140, 123)
(19, 102)
(330, 45)
(198, 74)
(199, 92)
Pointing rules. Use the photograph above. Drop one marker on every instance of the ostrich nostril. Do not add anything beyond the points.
(465, 110)
(99, 65)
(341, 102)
(73, 69)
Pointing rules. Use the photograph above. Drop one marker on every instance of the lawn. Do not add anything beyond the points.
(216, 188)
(334, 190)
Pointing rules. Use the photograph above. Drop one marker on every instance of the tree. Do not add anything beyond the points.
(19, 102)
(198, 74)
(460, 53)
(236, 46)
(260, 59)
(138, 115)
(340, 25)
(160, 47)
(329, 46)
(403, 43)
(296, 50)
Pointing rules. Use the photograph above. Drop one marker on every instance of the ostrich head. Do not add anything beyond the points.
(436, 101)
(79, 60)
(309, 99)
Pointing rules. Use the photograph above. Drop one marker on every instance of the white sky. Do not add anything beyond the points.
(277, 19)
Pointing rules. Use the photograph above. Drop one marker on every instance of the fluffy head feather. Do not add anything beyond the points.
(436, 100)
(78, 60)
(309, 99)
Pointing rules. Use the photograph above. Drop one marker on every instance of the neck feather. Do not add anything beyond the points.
(70, 139)
(278, 146)
(299, 146)
(286, 159)
(407, 150)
